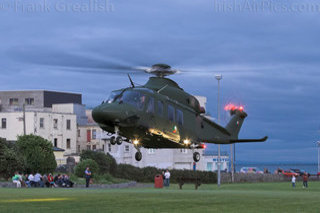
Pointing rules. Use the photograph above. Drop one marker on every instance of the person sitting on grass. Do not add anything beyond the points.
(58, 180)
(50, 180)
(26, 180)
(38, 180)
(31, 180)
(16, 179)
(66, 181)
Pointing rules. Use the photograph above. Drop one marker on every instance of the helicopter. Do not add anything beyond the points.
(161, 115)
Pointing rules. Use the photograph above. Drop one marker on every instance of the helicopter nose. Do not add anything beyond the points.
(97, 114)
(106, 114)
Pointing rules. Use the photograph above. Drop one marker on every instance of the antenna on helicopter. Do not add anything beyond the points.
(132, 84)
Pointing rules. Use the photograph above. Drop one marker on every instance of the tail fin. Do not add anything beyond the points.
(234, 125)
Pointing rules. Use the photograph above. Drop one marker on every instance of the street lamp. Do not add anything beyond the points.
(318, 144)
(219, 77)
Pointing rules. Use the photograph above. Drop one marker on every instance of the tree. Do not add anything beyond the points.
(107, 164)
(9, 159)
(37, 153)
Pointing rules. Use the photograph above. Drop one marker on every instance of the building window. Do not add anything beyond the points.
(151, 151)
(103, 147)
(94, 147)
(94, 134)
(13, 101)
(68, 143)
(209, 166)
(170, 112)
(79, 133)
(3, 123)
(88, 135)
(160, 108)
(78, 149)
(126, 148)
(68, 124)
(29, 101)
(55, 123)
(179, 117)
(109, 147)
(42, 123)
(150, 106)
(88, 147)
(55, 142)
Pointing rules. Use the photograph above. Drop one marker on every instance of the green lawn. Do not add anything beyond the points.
(261, 197)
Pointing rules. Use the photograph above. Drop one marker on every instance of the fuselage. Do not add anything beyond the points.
(159, 114)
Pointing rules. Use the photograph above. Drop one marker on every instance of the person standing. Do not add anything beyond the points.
(16, 179)
(305, 180)
(87, 174)
(293, 181)
(167, 178)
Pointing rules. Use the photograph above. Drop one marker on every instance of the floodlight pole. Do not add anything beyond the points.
(219, 77)
(318, 144)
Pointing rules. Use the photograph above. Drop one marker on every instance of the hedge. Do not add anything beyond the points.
(147, 174)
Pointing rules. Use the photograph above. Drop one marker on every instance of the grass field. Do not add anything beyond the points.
(260, 197)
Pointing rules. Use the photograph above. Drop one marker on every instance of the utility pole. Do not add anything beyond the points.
(219, 77)
(24, 119)
(318, 144)
(231, 161)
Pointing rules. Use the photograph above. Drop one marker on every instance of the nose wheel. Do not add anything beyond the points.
(113, 140)
(119, 140)
(196, 156)
(138, 156)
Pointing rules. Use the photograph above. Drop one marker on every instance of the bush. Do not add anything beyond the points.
(82, 165)
(10, 161)
(107, 164)
(37, 153)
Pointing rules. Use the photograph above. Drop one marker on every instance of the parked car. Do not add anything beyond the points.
(299, 171)
(289, 173)
(251, 170)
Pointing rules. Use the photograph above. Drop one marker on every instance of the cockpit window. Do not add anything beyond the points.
(134, 98)
(113, 96)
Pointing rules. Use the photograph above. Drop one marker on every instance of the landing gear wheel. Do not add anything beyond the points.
(113, 140)
(138, 156)
(196, 156)
(119, 140)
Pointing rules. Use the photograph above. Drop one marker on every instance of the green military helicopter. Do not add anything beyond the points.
(160, 114)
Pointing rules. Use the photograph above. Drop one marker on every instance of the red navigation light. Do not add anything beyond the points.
(233, 107)
(230, 107)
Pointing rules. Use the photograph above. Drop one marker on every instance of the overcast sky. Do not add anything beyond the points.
(267, 51)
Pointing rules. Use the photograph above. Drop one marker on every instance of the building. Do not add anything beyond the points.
(54, 116)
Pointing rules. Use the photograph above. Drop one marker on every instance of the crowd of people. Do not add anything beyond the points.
(38, 180)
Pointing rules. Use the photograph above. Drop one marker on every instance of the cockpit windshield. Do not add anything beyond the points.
(113, 96)
(134, 98)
